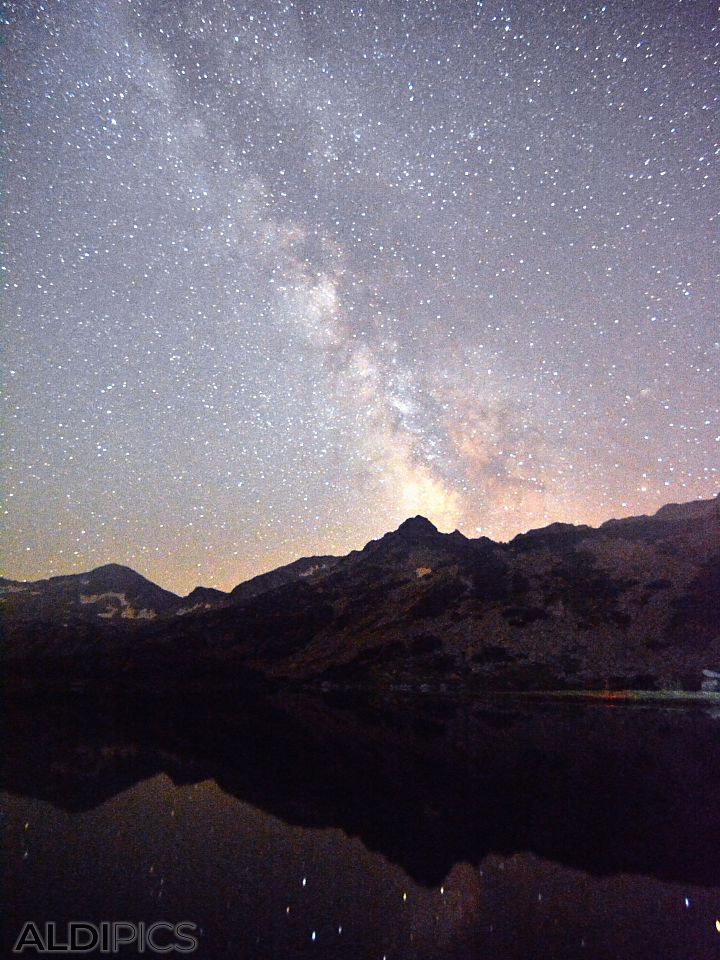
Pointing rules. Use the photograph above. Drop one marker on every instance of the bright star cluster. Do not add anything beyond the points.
(278, 275)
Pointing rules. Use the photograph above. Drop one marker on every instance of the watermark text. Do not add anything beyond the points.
(108, 936)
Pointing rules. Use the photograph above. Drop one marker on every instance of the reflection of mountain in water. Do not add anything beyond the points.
(429, 784)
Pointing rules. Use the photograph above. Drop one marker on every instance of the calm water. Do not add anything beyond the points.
(327, 829)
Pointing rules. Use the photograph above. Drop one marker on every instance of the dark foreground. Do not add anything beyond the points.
(354, 827)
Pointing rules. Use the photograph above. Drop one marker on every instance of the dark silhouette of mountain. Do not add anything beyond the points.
(202, 598)
(110, 592)
(427, 782)
(290, 573)
(633, 603)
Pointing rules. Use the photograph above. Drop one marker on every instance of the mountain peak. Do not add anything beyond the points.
(205, 595)
(112, 568)
(417, 527)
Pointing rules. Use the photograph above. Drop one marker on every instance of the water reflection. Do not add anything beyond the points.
(372, 829)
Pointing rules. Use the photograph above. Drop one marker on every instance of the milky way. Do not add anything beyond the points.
(279, 275)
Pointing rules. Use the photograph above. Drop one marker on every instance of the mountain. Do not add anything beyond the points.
(293, 572)
(203, 598)
(114, 593)
(633, 603)
(110, 593)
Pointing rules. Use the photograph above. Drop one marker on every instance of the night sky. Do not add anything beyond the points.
(279, 275)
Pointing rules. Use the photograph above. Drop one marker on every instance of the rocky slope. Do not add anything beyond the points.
(635, 602)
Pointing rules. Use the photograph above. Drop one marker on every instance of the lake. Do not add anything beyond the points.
(354, 826)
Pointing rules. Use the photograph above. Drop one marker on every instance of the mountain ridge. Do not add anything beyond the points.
(634, 601)
(666, 511)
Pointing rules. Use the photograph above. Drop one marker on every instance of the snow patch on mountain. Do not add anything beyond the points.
(122, 605)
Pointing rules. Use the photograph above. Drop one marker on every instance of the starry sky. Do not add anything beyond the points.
(278, 275)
